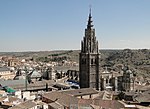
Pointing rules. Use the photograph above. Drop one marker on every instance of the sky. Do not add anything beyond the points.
(45, 25)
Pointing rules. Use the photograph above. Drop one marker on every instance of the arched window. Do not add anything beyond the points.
(95, 61)
(92, 61)
(106, 81)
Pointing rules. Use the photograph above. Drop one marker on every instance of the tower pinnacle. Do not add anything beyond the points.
(90, 10)
(90, 20)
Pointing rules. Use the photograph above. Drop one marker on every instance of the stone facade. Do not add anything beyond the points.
(89, 59)
(116, 81)
(128, 80)
(6, 74)
(110, 80)
(89, 67)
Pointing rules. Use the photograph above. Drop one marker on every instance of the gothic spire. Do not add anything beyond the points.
(90, 20)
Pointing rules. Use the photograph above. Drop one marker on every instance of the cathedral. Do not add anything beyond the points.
(89, 58)
(90, 74)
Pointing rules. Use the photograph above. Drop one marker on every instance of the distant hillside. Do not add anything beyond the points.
(138, 60)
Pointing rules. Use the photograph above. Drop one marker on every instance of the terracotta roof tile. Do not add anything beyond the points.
(81, 92)
(24, 105)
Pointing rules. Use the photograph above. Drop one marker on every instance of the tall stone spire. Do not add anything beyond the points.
(90, 20)
(89, 43)
(89, 58)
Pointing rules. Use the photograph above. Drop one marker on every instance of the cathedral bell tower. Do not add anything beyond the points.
(89, 58)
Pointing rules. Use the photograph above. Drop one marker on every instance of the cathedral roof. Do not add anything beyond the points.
(34, 73)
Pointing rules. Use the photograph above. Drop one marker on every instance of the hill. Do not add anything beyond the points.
(138, 60)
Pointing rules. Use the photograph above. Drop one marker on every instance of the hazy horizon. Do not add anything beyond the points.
(67, 50)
